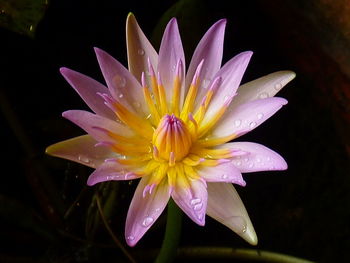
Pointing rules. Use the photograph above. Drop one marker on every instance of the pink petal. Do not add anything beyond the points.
(96, 125)
(225, 172)
(144, 210)
(192, 201)
(111, 171)
(247, 117)
(170, 53)
(264, 87)
(209, 50)
(88, 88)
(225, 206)
(231, 74)
(122, 84)
(259, 157)
(81, 150)
(139, 49)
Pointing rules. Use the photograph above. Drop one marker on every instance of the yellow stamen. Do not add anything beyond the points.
(210, 142)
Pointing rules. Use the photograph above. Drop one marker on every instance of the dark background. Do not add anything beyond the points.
(45, 208)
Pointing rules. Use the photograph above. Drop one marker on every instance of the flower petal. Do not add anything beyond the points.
(96, 125)
(264, 87)
(210, 50)
(88, 88)
(225, 172)
(144, 210)
(170, 53)
(259, 157)
(81, 150)
(111, 171)
(225, 206)
(192, 201)
(139, 49)
(122, 84)
(231, 74)
(247, 117)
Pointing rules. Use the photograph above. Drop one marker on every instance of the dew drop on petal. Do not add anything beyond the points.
(278, 86)
(238, 163)
(121, 95)
(141, 52)
(130, 237)
(237, 123)
(148, 116)
(263, 95)
(250, 165)
(83, 159)
(198, 207)
(224, 176)
(239, 223)
(119, 81)
(195, 201)
(260, 116)
(147, 221)
(252, 124)
(136, 104)
(258, 160)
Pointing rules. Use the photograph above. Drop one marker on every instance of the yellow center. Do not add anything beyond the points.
(171, 139)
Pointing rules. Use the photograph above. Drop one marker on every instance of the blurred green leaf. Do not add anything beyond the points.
(107, 193)
(22, 16)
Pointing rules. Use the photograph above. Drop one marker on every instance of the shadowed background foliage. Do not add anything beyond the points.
(48, 214)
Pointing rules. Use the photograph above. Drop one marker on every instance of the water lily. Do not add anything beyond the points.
(172, 128)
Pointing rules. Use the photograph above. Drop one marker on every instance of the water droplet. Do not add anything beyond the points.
(260, 116)
(250, 165)
(252, 124)
(120, 81)
(137, 104)
(226, 98)
(83, 159)
(148, 116)
(147, 221)
(278, 86)
(258, 160)
(239, 223)
(121, 95)
(123, 157)
(268, 158)
(157, 210)
(130, 237)
(198, 207)
(224, 176)
(238, 163)
(263, 95)
(141, 52)
(246, 159)
(206, 83)
(200, 216)
(112, 177)
(195, 201)
(237, 123)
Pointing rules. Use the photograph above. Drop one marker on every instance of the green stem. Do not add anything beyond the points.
(172, 234)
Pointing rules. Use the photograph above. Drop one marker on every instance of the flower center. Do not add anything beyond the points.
(171, 140)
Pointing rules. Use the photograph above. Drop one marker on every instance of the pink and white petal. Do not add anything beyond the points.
(97, 126)
(88, 88)
(139, 49)
(247, 117)
(112, 171)
(225, 172)
(231, 75)
(192, 201)
(210, 50)
(170, 53)
(81, 150)
(144, 210)
(259, 157)
(123, 86)
(225, 206)
(264, 87)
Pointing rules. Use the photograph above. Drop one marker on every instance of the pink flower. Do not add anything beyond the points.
(173, 129)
